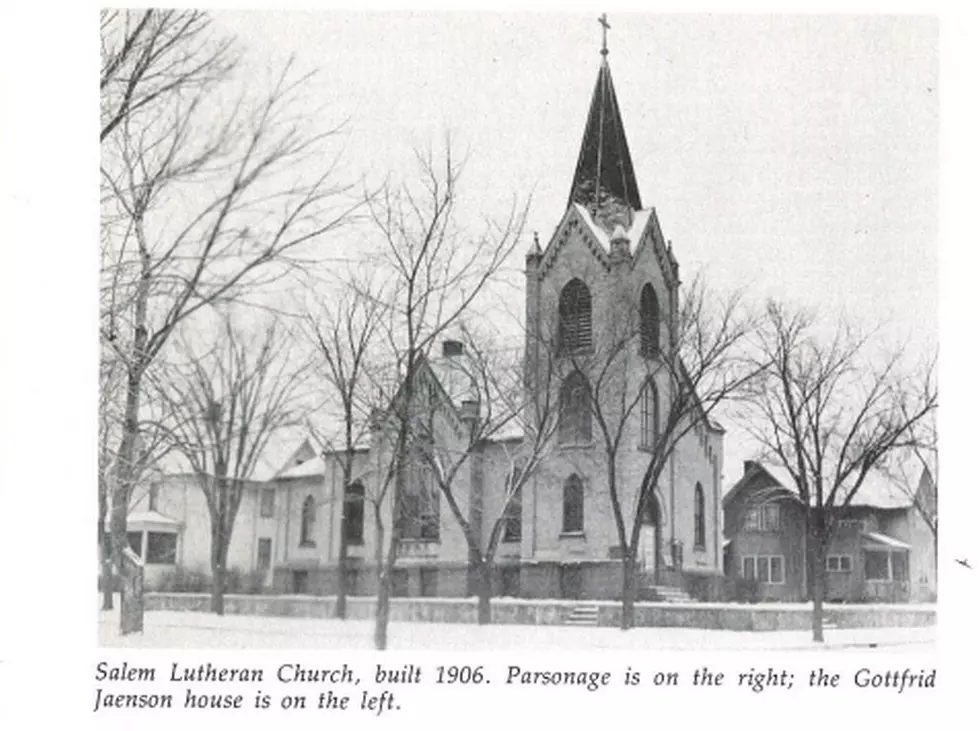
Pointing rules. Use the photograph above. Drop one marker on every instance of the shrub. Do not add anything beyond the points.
(746, 590)
(185, 580)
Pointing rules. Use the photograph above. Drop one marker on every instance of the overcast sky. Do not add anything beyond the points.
(796, 155)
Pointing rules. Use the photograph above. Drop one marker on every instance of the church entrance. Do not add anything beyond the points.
(648, 551)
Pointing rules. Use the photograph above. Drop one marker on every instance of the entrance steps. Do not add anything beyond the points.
(583, 615)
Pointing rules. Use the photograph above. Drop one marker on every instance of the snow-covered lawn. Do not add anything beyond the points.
(200, 630)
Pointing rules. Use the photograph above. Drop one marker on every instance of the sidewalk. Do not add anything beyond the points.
(200, 630)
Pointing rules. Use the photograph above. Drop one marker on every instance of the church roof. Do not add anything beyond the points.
(604, 171)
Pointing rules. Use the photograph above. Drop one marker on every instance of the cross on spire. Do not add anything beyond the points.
(605, 27)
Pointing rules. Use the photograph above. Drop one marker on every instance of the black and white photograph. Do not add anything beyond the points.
(574, 338)
(449, 334)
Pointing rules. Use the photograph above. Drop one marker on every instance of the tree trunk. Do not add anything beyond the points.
(385, 566)
(340, 609)
(126, 471)
(484, 590)
(219, 572)
(816, 574)
(105, 551)
(626, 619)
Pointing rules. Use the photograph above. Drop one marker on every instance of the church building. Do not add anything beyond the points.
(602, 298)
(606, 274)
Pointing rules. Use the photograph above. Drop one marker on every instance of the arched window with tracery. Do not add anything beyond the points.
(573, 505)
(699, 528)
(575, 413)
(307, 522)
(649, 322)
(574, 318)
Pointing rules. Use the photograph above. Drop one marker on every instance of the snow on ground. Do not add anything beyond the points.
(199, 630)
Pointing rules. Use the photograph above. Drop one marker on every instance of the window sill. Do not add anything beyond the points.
(577, 352)
(575, 445)
(579, 534)
(699, 549)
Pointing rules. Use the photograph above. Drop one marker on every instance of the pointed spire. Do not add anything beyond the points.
(604, 177)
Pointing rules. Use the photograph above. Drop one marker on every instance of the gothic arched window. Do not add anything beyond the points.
(575, 414)
(574, 317)
(307, 522)
(354, 514)
(649, 415)
(699, 531)
(649, 322)
(573, 506)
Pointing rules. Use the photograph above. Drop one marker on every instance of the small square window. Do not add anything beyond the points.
(845, 563)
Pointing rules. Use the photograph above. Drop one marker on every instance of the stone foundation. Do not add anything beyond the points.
(554, 611)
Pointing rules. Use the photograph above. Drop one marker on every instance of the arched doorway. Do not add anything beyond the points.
(648, 553)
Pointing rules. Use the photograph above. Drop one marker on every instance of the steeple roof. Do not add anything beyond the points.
(604, 174)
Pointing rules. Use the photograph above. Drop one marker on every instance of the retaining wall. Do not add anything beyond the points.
(553, 611)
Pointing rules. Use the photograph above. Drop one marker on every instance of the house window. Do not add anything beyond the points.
(575, 414)
(762, 518)
(649, 322)
(161, 548)
(699, 532)
(419, 511)
(307, 522)
(764, 569)
(838, 564)
(154, 497)
(876, 566)
(900, 566)
(574, 318)
(649, 415)
(135, 540)
(267, 504)
(512, 518)
(573, 506)
(264, 559)
(354, 514)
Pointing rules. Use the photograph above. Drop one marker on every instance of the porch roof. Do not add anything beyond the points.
(141, 519)
(879, 541)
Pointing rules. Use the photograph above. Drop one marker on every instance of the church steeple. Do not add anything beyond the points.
(604, 181)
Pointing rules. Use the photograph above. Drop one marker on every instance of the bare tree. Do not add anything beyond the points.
(153, 443)
(205, 198)
(148, 55)
(832, 406)
(657, 393)
(344, 332)
(435, 273)
(915, 469)
(231, 400)
(494, 404)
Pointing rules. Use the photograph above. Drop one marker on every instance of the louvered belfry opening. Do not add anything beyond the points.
(574, 318)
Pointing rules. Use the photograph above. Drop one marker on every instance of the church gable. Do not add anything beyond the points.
(578, 241)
